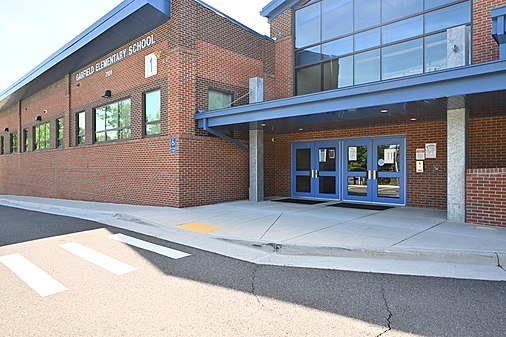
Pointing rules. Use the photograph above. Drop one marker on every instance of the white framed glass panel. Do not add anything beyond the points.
(436, 3)
(308, 56)
(345, 72)
(330, 74)
(337, 18)
(338, 47)
(402, 59)
(435, 52)
(394, 9)
(367, 67)
(367, 39)
(309, 79)
(307, 25)
(402, 30)
(448, 17)
(367, 13)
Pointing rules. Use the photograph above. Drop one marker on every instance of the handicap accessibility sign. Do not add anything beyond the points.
(173, 145)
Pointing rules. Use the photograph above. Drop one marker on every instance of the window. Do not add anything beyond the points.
(26, 141)
(218, 100)
(42, 137)
(112, 121)
(81, 128)
(14, 142)
(341, 43)
(1, 145)
(59, 132)
(152, 110)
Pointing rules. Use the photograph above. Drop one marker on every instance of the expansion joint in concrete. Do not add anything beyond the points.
(389, 318)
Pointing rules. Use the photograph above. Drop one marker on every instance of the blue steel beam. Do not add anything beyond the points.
(475, 79)
(499, 29)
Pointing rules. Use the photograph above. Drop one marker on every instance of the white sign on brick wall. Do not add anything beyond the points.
(150, 65)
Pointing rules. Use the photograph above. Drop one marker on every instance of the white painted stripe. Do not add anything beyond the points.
(172, 253)
(101, 260)
(36, 278)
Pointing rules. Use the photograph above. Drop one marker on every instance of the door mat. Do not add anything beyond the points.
(362, 206)
(300, 201)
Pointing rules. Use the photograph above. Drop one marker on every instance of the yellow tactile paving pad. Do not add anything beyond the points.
(199, 227)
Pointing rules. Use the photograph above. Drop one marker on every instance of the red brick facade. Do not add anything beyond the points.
(195, 56)
(484, 47)
(201, 50)
(486, 196)
(426, 189)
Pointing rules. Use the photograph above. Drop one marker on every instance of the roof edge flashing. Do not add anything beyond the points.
(277, 7)
(106, 22)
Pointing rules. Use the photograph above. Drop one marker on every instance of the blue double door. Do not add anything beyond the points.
(368, 170)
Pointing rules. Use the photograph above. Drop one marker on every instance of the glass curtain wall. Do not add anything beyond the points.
(340, 43)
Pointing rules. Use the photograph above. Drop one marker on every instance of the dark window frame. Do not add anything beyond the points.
(60, 136)
(26, 140)
(44, 142)
(80, 136)
(13, 142)
(145, 111)
(230, 93)
(118, 129)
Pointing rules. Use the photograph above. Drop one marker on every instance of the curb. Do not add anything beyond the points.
(488, 258)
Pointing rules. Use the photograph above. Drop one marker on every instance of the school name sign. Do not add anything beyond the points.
(133, 49)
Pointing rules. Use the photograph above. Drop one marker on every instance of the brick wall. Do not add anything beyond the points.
(486, 196)
(426, 189)
(484, 47)
(194, 56)
(487, 142)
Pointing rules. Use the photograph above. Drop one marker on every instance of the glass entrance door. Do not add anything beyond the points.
(315, 167)
(374, 170)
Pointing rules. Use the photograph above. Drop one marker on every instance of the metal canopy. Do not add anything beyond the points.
(365, 101)
(125, 22)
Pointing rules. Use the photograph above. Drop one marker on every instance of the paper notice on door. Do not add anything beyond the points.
(352, 153)
(323, 155)
(389, 156)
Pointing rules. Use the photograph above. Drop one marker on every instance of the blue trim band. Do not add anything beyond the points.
(474, 79)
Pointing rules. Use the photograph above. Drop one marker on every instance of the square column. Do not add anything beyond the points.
(256, 165)
(457, 149)
(256, 145)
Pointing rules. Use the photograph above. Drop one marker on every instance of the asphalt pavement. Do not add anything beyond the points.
(214, 295)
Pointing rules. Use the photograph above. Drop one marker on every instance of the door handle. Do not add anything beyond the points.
(312, 174)
(375, 175)
(316, 173)
(368, 174)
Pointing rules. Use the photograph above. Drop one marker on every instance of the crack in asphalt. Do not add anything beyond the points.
(253, 290)
(389, 323)
(499, 262)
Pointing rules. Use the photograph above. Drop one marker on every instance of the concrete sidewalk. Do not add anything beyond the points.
(400, 240)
